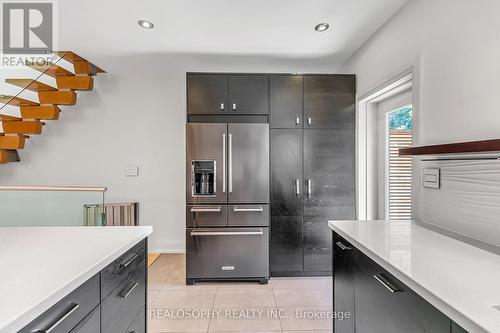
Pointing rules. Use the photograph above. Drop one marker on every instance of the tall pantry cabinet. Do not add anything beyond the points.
(312, 122)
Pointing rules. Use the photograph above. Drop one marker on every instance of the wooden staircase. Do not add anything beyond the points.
(17, 129)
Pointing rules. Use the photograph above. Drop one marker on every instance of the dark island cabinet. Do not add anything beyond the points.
(329, 101)
(220, 94)
(112, 301)
(286, 200)
(343, 287)
(379, 302)
(286, 93)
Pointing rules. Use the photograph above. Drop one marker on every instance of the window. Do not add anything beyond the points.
(400, 125)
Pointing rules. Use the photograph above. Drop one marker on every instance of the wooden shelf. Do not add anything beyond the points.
(454, 148)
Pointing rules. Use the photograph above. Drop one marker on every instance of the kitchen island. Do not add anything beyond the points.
(417, 278)
(63, 279)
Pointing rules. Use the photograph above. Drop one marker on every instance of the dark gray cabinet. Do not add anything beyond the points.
(329, 101)
(108, 302)
(379, 302)
(207, 94)
(286, 93)
(219, 94)
(286, 200)
(317, 160)
(343, 285)
(248, 94)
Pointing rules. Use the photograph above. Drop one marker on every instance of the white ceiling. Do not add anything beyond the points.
(267, 28)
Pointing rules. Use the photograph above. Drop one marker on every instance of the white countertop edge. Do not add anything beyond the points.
(24, 319)
(437, 302)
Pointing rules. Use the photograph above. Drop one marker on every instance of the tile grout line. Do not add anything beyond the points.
(276, 302)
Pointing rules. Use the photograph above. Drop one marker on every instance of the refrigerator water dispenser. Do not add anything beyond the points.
(203, 178)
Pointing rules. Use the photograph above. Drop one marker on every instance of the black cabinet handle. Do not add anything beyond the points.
(128, 262)
(128, 290)
(386, 283)
(62, 317)
(343, 247)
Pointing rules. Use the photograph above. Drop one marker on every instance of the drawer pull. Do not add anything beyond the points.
(128, 290)
(52, 327)
(128, 262)
(260, 209)
(386, 283)
(227, 233)
(343, 247)
(205, 210)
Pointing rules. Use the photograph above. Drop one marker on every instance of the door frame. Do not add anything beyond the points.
(366, 192)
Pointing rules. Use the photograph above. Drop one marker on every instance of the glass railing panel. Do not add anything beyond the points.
(51, 206)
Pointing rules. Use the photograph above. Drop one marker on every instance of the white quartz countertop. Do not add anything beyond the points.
(459, 279)
(41, 265)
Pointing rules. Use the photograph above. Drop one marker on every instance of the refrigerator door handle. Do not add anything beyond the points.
(230, 157)
(227, 233)
(205, 210)
(309, 188)
(297, 187)
(258, 209)
(224, 163)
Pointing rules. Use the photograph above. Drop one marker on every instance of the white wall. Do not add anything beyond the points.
(459, 41)
(135, 116)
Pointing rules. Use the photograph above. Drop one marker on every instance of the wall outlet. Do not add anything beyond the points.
(132, 171)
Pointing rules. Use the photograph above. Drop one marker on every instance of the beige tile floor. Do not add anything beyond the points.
(292, 305)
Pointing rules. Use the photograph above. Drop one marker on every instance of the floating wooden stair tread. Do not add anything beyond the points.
(7, 156)
(80, 82)
(12, 141)
(45, 112)
(30, 84)
(4, 117)
(57, 97)
(483, 146)
(50, 69)
(16, 101)
(82, 66)
(22, 127)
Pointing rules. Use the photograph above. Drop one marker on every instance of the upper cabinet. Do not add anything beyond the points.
(286, 101)
(329, 101)
(227, 94)
(207, 94)
(248, 94)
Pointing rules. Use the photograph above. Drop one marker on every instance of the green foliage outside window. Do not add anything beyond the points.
(401, 119)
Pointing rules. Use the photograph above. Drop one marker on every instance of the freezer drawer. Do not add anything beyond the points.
(248, 216)
(206, 216)
(225, 253)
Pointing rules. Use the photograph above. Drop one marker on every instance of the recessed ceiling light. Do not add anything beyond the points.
(322, 27)
(146, 24)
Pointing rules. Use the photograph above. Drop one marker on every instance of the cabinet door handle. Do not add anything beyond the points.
(343, 247)
(128, 262)
(297, 187)
(222, 106)
(297, 121)
(234, 106)
(128, 290)
(309, 188)
(228, 233)
(52, 327)
(386, 283)
(309, 121)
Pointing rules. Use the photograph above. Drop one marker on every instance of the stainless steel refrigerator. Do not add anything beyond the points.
(227, 195)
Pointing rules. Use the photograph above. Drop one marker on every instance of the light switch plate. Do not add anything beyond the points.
(132, 171)
(431, 178)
